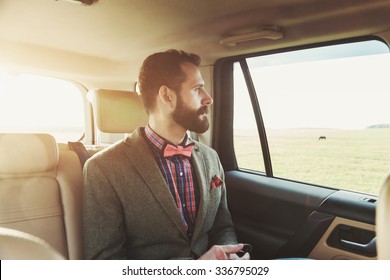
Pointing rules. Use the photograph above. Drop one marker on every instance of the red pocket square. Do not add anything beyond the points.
(216, 182)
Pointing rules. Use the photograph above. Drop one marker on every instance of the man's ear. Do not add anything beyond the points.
(166, 95)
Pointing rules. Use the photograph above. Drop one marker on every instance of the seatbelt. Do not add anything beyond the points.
(80, 150)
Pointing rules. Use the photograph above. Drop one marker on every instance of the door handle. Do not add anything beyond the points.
(369, 247)
(353, 239)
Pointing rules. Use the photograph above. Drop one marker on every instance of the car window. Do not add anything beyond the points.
(325, 113)
(30, 103)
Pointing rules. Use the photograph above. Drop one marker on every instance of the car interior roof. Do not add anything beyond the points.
(103, 45)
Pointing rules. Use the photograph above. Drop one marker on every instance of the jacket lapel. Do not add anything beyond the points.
(139, 153)
(204, 189)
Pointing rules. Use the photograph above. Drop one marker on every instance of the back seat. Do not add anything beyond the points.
(41, 190)
(41, 181)
(18, 245)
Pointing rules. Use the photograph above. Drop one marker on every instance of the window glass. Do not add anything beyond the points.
(326, 114)
(38, 104)
(246, 139)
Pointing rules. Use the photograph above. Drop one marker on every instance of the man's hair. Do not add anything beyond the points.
(163, 68)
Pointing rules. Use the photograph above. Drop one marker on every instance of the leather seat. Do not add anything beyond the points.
(41, 191)
(17, 245)
(383, 222)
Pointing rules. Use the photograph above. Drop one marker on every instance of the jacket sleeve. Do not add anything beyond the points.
(104, 230)
(222, 232)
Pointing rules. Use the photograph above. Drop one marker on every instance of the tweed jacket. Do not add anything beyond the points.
(129, 212)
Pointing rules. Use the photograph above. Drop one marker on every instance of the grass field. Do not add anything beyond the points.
(357, 160)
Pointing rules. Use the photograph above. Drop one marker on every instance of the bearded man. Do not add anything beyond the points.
(159, 194)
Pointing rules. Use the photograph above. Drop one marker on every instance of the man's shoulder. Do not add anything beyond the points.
(207, 150)
(118, 148)
(108, 153)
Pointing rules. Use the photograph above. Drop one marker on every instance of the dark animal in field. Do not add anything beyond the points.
(322, 138)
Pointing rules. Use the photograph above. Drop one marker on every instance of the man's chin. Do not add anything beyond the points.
(202, 128)
(198, 123)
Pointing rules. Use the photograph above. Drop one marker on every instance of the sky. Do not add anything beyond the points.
(294, 91)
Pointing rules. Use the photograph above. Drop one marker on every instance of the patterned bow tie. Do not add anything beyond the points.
(171, 150)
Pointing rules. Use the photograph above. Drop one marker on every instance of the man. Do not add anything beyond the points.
(159, 194)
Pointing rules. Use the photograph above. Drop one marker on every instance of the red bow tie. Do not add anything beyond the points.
(171, 150)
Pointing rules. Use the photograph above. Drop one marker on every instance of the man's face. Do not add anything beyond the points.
(192, 101)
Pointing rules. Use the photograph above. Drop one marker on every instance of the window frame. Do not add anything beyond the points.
(223, 141)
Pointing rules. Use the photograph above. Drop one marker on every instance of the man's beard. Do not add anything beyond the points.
(189, 118)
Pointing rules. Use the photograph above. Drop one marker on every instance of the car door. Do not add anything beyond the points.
(304, 137)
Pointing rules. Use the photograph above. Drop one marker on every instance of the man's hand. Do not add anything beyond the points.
(224, 252)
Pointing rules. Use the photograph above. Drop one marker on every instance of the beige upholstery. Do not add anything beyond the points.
(383, 222)
(118, 111)
(40, 191)
(17, 245)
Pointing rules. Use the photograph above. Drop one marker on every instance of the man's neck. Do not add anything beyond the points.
(170, 132)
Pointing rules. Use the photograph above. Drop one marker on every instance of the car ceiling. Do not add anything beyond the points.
(103, 45)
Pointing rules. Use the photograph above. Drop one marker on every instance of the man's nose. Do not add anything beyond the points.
(207, 99)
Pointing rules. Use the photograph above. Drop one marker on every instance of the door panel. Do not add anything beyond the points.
(283, 219)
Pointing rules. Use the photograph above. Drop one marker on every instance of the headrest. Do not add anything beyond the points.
(118, 111)
(27, 153)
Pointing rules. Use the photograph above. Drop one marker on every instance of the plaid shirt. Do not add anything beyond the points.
(179, 175)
